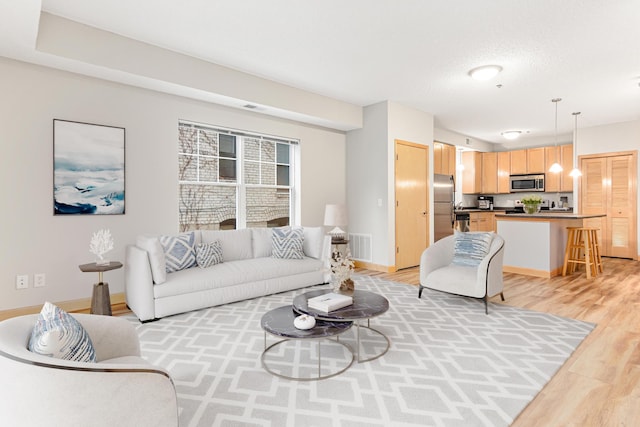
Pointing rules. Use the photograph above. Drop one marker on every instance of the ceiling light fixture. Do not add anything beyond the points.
(511, 134)
(486, 72)
(575, 172)
(556, 167)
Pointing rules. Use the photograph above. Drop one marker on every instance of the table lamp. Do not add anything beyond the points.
(336, 216)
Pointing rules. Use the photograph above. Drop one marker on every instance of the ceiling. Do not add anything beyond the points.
(414, 52)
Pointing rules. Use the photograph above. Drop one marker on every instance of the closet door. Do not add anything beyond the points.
(609, 186)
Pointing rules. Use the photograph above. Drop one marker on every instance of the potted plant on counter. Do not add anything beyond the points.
(531, 204)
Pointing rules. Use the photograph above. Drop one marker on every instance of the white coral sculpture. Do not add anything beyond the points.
(101, 243)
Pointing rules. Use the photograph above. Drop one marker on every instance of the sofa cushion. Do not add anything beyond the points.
(232, 273)
(313, 241)
(58, 334)
(208, 254)
(470, 248)
(179, 251)
(156, 257)
(261, 238)
(287, 243)
(236, 244)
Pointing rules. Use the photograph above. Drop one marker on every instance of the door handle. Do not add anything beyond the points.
(424, 213)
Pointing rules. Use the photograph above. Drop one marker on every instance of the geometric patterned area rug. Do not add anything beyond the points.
(449, 364)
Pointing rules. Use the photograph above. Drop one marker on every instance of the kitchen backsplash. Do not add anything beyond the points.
(508, 200)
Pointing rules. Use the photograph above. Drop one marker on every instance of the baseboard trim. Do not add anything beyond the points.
(375, 267)
(532, 272)
(118, 306)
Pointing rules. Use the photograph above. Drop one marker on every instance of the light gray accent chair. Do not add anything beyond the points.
(484, 281)
(122, 389)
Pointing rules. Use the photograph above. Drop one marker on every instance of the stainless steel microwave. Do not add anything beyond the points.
(526, 183)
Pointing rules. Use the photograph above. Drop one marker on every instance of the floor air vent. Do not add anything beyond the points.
(360, 246)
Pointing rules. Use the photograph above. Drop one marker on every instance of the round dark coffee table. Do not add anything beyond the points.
(279, 322)
(366, 305)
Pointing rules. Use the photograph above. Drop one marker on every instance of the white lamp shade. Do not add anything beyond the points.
(335, 215)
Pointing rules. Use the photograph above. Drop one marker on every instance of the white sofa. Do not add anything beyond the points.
(248, 270)
(122, 389)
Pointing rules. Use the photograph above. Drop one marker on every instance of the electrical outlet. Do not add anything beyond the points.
(22, 281)
(39, 280)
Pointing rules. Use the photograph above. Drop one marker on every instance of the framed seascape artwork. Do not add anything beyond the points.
(88, 169)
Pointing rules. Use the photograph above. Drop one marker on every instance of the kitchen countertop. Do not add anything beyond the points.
(549, 215)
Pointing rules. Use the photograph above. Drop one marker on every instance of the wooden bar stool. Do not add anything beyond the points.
(582, 248)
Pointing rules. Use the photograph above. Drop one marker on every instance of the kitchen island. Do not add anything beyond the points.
(535, 243)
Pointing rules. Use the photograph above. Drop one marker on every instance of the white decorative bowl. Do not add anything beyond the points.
(304, 322)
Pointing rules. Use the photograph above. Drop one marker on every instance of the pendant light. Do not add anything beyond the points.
(556, 167)
(575, 172)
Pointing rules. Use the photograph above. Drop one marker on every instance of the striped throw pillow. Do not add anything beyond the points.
(208, 254)
(287, 243)
(58, 334)
(471, 247)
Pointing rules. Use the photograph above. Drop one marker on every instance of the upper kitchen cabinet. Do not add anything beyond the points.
(472, 172)
(527, 161)
(489, 173)
(535, 160)
(504, 170)
(518, 162)
(444, 158)
(561, 181)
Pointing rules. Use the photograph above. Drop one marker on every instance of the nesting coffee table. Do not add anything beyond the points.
(366, 305)
(279, 322)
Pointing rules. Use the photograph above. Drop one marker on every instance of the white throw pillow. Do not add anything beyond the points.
(58, 334)
(156, 257)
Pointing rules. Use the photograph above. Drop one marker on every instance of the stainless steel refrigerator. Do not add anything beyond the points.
(443, 206)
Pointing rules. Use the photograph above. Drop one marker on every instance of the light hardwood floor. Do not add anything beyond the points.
(600, 383)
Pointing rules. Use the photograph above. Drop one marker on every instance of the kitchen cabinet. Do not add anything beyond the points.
(444, 158)
(482, 221)
(561, 181)
(472, 172)
(535, 160)
(526, 161)
(518, 162)
(504, 169)
(489, 173)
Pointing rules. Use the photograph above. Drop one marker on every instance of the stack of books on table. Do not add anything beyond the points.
(329, 302)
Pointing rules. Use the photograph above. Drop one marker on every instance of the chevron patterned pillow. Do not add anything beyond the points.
(287, 243)
(58, 334)
(208, 254)
(179, 251)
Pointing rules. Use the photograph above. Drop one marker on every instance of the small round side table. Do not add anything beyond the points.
(100, 300)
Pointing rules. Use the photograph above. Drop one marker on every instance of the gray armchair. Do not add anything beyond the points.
(122, 389)
(484, 281)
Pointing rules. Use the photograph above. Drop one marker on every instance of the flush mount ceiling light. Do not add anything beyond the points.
(556, 167)
(485, 72)
(511, 134)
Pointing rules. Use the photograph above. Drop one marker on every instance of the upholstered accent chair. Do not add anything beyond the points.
(121, 389)
(438, 270)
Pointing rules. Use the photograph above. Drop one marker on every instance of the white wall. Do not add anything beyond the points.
(36, 241)
(370, 171)
(367, 180)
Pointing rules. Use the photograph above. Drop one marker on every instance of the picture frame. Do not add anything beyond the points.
(88, 169)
